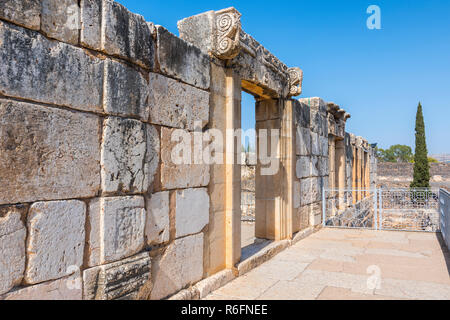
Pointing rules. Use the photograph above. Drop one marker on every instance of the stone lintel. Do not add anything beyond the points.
(220, 34)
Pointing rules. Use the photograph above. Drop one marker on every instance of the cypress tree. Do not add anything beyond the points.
(421, 165)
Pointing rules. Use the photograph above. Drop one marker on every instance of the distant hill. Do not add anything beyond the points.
(441, 157)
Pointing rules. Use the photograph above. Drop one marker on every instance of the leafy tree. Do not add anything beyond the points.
(396, 153)
(421, 165)
(432, 160)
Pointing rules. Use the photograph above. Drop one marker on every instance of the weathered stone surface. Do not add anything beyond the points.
(302, 114)
(315, 144)
(323, 146)
(44, 155)
(130, 155)
(177, 105)
(303, 141)
(56, 239)
(323, 166)
(297, 190)
(198, 30)
(181, 265)
(181, 60)
(157, 228)
(60, 19)
(192, 211)
(48, 71)
(126, 91)
(91, 23)
(116, 229)
(26, 13)
(319, 123)
(310, 191)
(315, 166)
(117, 281)
(185, 175)
(303, 167)
(12, 247)
(315, 104)
(127, 35)
(63, 289)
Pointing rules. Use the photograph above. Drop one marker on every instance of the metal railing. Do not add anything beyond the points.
(383, 209)
(444, 210)
(409, 209)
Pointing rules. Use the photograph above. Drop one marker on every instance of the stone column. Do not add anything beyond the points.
(340, 171)
(233, 170)
(354, 174)
(268, 184)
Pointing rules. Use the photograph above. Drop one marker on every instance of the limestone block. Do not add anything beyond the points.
(119, 280)
(63, 289)
(130, 155)
(302, 114)
(40, 144)
(177, 105)
(56, 239)
(198, 30)
(323, 164)
(315, 166)
(310, 191)
(316, 104)
(181, 60)
(303, 141)
(315, 144)
(180, 266)
(60, 19)
(126, 91)
(26, 13)
(48, 71)
(185, 175)
(91, 23)
(323, 146)
(127, 35)
(116, 228)
(12, 247)
(157, 228)
(192, 211)
(319, 123)
(303, 167)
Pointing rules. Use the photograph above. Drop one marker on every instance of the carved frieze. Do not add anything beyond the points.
(295, 81)
(228, 30)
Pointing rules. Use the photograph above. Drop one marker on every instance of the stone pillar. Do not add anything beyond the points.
(233, 170)
(355, 175)
(287, 170)
(268, 184)
(340, 171)
(359, 166)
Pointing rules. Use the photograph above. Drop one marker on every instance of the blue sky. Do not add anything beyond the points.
(378, 76)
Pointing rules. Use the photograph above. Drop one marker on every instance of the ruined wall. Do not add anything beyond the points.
(92, 203)
(400, 175)
(312, 162)
(89, 95)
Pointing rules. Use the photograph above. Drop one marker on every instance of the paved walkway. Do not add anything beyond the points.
(342, 264)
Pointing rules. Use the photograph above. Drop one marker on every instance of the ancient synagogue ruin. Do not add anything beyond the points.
(92, 203)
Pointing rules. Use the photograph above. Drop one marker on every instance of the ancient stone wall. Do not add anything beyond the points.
(89, 96)
(400, 175)
(93, 204)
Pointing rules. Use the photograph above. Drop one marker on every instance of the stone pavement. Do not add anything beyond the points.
(338, 264)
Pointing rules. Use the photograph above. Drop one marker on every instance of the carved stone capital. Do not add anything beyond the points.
(227, 34)
(295, 81)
